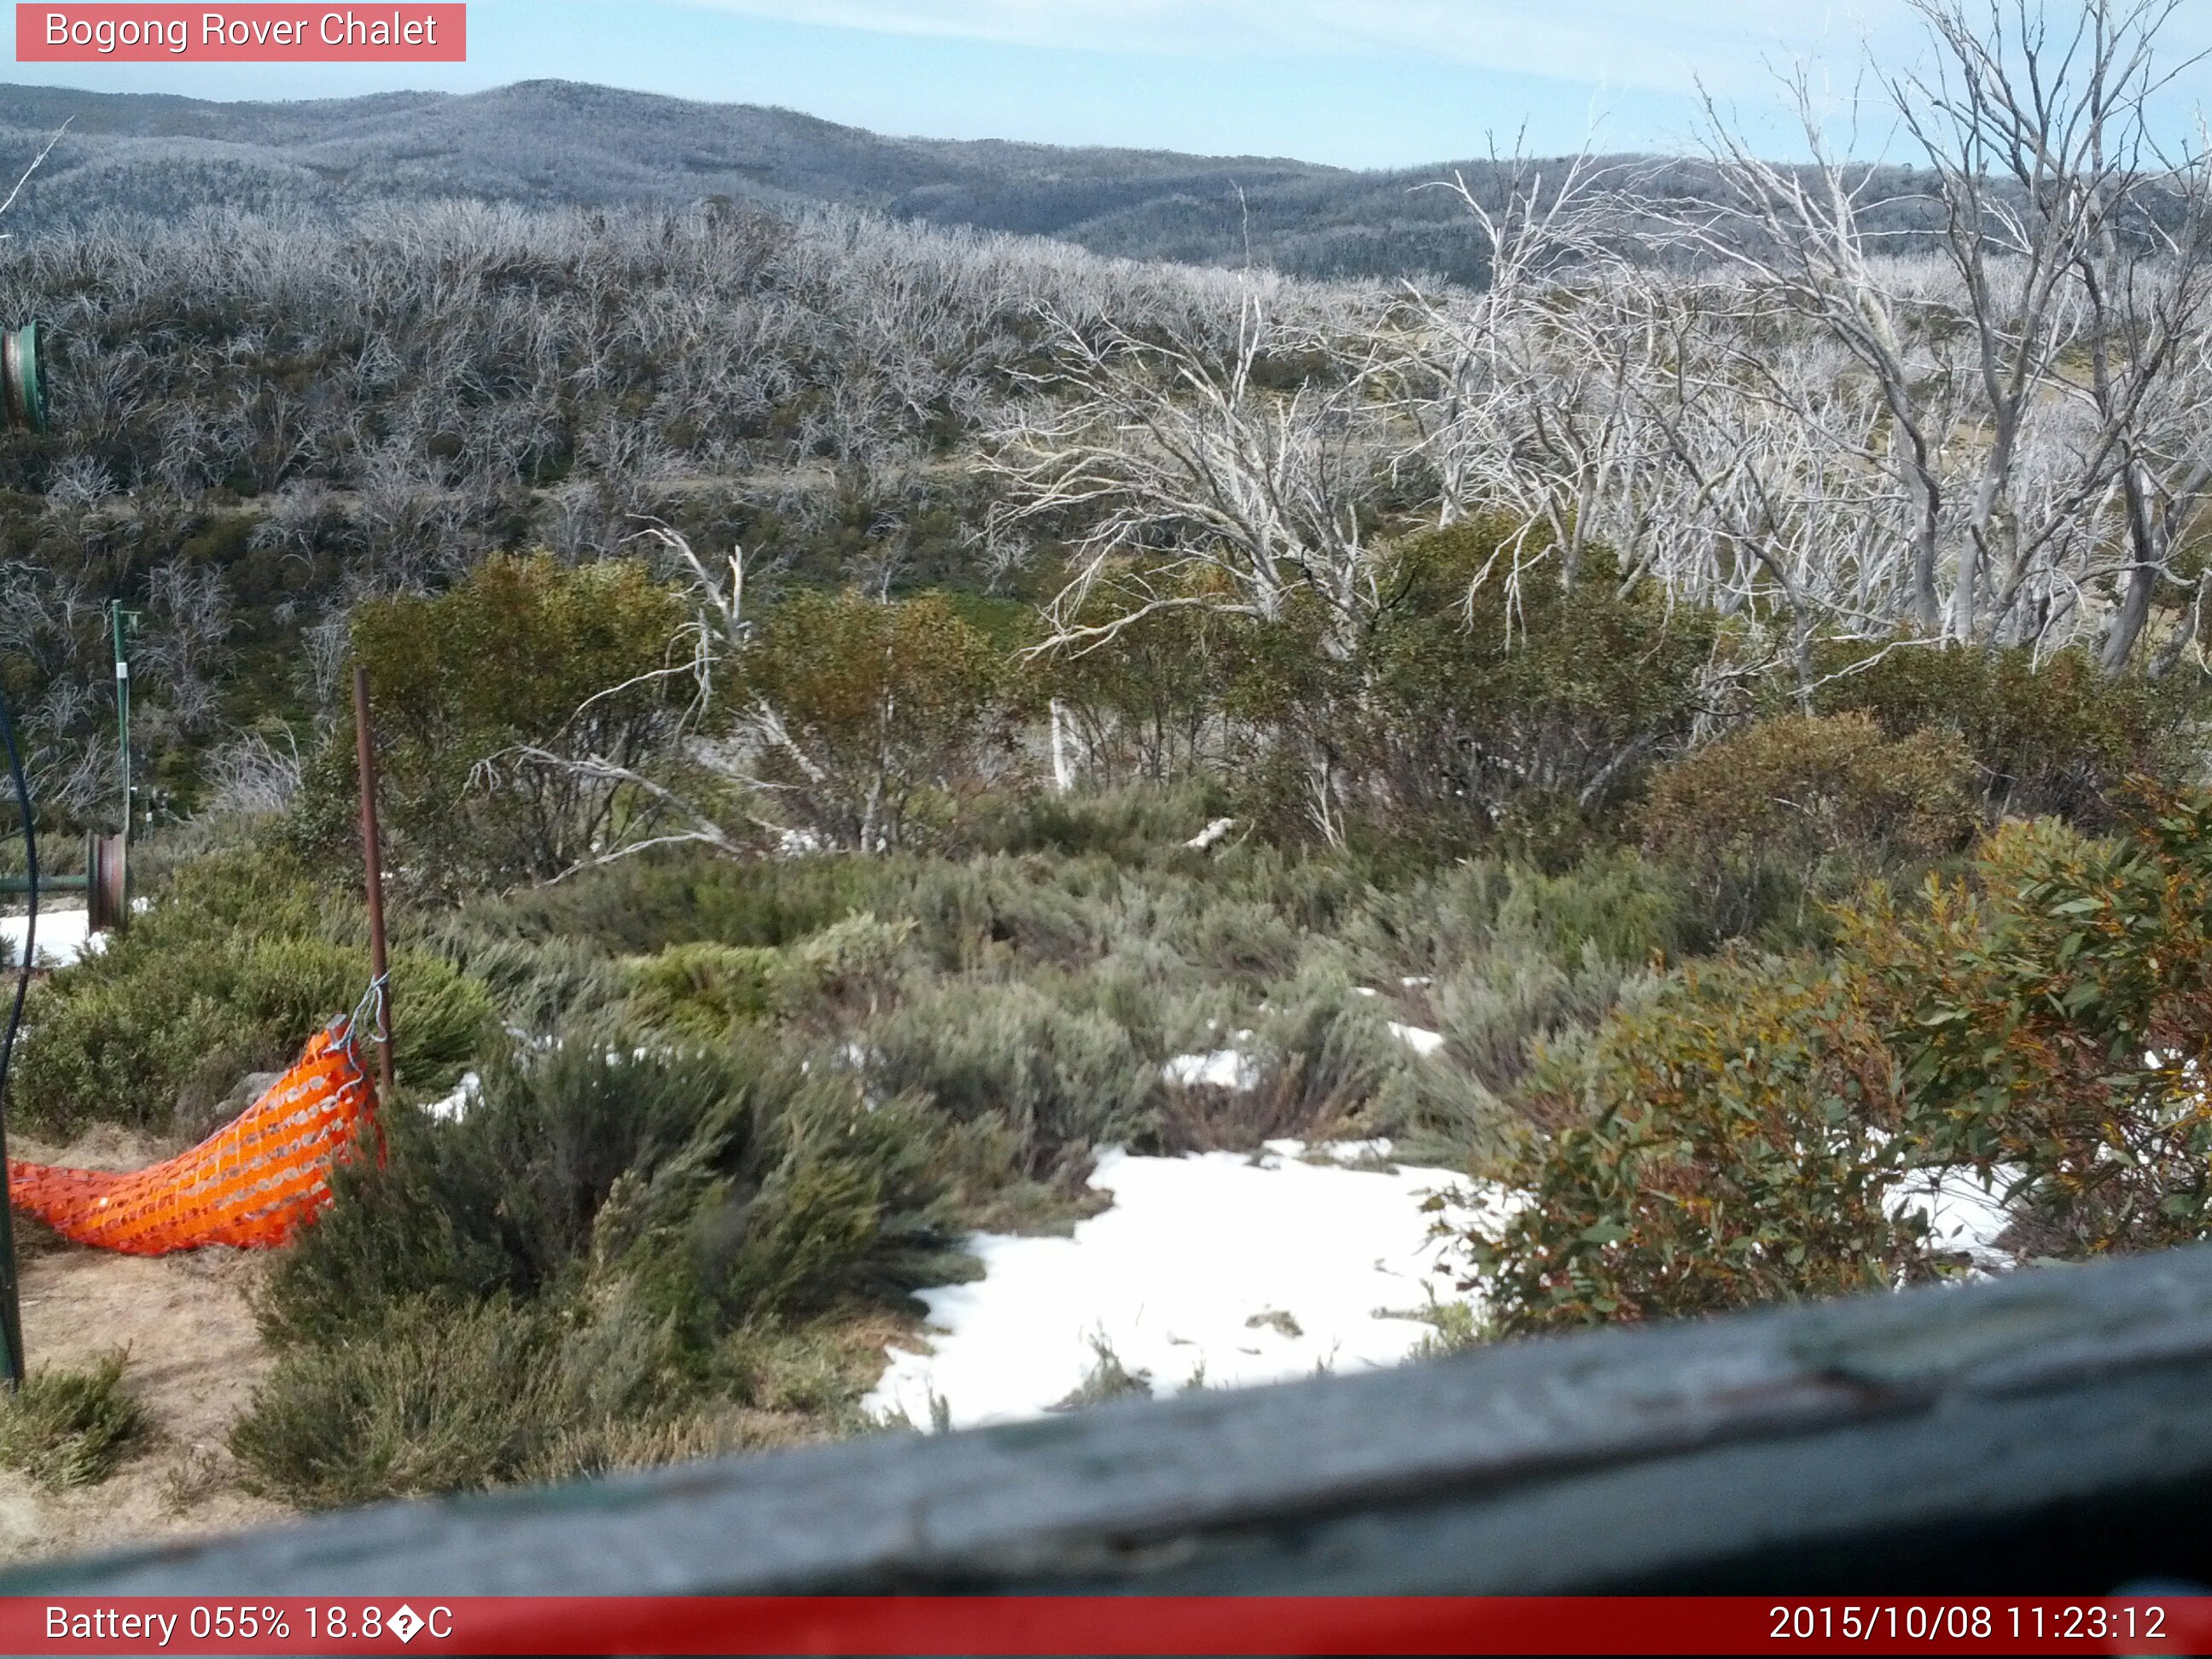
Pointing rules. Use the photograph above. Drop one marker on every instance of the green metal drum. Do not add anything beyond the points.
(23, 378)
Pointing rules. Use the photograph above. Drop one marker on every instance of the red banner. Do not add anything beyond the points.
(1106, 1625)
(122, 34)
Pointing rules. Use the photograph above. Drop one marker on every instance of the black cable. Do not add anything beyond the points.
(11, 1317)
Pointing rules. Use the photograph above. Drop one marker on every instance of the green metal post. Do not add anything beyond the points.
(22, 405)
(124, 621)
(23, 380)
(11, 1312)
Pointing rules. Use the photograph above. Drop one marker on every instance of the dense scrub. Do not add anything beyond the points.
(70, 1428)
(2040, 1018)
(664, 1217)
(834, 974)
(834, 770)
(268, 417)
(243, 960)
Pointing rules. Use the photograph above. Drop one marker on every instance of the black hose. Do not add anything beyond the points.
(11, 1317)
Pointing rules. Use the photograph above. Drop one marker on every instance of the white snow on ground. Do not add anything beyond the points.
(1236, 1268)
(1963, 1212)
(1235, 1069)
(453, 1108)
(1229, 1068)
(1224, 1068)
(64, 936)
(1422, 1043)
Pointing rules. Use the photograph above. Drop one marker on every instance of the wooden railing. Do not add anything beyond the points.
(2052, 1430)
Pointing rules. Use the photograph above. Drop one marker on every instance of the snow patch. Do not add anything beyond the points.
(1424, 1044)
(1205, 839)
(64, 937)
(1224, 1068)
(455, 1106)
(1335, 1152)
(1221, 1267)
(1230, 1068)
(1965, 1211)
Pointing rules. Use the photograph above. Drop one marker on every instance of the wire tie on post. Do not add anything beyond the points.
(374, 998)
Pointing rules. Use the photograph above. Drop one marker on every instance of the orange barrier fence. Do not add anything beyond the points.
(254, 1182)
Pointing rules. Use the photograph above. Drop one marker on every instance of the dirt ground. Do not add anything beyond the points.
(194, 1358)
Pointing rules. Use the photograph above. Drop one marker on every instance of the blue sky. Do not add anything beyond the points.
(1353, 82)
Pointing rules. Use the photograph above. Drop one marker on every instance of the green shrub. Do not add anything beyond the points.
(2052, 1010)
(535, 985)
(850, 965)
(821, 1368)
(1729, 1144)
(700, 991)
(523, 651)
(1148, 990)
(727, 1183)
(420, 1224)
(1009, 1054)
(1799, 788)
(1235, 938)
(1134, 825)
(437, 1400)
(642, 905)
(1806, 806)
(1322, 1066)
(1613, 906)
(985, 912)
(447, 1400)
(1615, 902)
(854, 1206)
(1146, 702)
(1732, 1140)
(229, 972)
(2053, 736)
(1326, 1055)
(1476, 710)
(883, 701)
(703, 990)
(506, 1199)
(1498, 1012)
(70, 1428)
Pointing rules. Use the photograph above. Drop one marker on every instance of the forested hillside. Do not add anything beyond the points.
(260, 419)
(552, 143)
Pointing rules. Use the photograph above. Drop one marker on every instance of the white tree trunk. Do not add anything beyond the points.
(1063, 769)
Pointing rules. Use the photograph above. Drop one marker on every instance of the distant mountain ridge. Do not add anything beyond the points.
(555, 141)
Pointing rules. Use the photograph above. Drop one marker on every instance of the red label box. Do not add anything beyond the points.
(260, 34)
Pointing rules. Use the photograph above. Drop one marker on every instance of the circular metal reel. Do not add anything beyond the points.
(107, 884)
(23, 378)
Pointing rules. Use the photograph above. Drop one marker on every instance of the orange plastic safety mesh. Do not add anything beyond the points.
(256, 1182)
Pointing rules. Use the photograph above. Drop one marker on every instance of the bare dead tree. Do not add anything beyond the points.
(250, 777)
(188, 618)
(1193, 482)
(2071, 270)
(37, 161)
(1973, 408)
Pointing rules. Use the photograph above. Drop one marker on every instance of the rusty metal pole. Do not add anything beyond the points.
(372, 849)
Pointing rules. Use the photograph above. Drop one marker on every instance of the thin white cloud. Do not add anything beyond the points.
(1662, 45)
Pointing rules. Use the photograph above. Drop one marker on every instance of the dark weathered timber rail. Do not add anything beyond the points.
(2052, 1430)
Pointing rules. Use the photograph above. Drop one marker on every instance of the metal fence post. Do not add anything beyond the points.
(373, 863)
